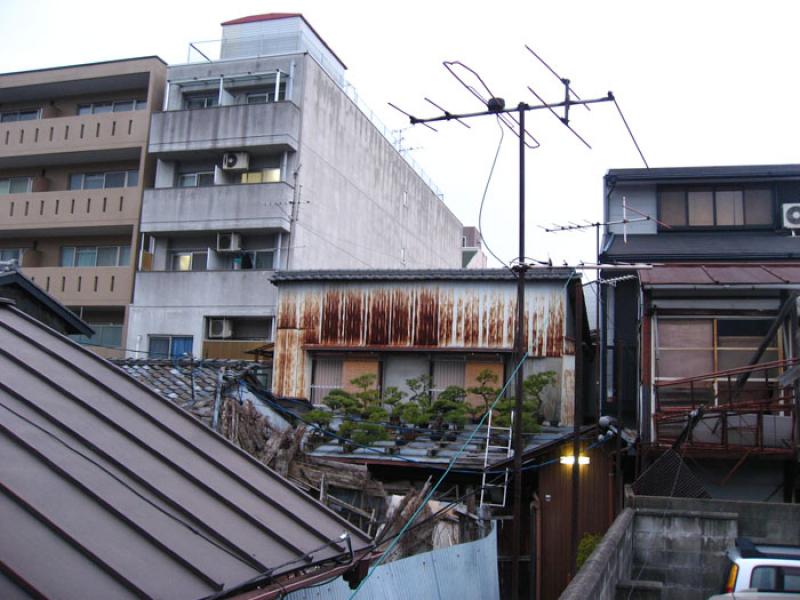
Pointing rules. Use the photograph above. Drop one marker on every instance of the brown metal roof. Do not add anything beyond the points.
(716, 274)
(110, 491)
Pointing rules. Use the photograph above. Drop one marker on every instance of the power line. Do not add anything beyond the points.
(625, 122)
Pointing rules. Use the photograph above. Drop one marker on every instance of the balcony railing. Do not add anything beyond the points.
(84, 208)
(84, 286)
(753, 416)
(71, 134)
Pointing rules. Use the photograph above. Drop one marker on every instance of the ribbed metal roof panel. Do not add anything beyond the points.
(534, 273)
(136, 496)
(732, 172)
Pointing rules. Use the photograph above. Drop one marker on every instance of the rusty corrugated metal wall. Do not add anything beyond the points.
(458, 315)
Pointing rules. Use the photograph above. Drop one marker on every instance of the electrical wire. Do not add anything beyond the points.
(485, 192)
(439, 481)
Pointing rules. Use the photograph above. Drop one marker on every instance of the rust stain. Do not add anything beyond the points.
(495, 329)
(445, 317)
(555, 330)
(471, 322)
(288, 366)
(331, 317)
(427, 318)
(379, 318)
(459, 341)
(309, 320)
(400, 330)
(287, 312)
(353, 317)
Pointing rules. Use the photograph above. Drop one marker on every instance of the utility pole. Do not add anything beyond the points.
(514, 119)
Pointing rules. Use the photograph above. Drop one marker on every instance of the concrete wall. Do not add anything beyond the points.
(361, 204)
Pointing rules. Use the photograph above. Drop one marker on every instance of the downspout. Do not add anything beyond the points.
(217, 401)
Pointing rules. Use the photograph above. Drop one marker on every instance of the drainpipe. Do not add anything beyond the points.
(217, 401)
(294, 214)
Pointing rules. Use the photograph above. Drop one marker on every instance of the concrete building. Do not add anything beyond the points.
(72, 169)
(264, 163)
(708, 320)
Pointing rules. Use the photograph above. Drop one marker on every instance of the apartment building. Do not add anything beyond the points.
(265, 162)
(73, 142)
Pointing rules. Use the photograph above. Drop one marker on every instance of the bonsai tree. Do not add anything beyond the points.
(367, 396)
(339, 401)
(319, 417)
(393, 398)
(532, 388)
(362, 433)
(487, 390)
(451, 400)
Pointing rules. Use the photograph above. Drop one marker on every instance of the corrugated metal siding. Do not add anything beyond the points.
(463, 572)
(108, 489)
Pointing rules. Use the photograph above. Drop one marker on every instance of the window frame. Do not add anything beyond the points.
(75, 250)
(37, 112)
(714, 189)
(92, 107)
(197, 175)
(10, 180)
(131, 179)
(173, 254)
(170, 344)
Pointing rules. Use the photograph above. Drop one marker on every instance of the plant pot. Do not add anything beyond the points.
(436, 436)
(400, 441)
(451, 436)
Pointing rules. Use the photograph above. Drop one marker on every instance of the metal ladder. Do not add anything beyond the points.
(492, 432)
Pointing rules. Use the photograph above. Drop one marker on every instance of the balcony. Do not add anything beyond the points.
(84, 286)
(105, 132)
(219, 207)
(213, 289)
(274, 126)
(231, 349)
(69, 209)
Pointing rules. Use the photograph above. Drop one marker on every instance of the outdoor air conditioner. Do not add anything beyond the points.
(235, 161)
(791, 216)
(219, 328)
(229, 242)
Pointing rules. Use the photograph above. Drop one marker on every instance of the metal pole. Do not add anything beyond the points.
(618, 463)
(519, 352)
(577, 418)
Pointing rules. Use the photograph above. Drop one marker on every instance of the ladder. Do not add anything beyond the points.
(488, 480)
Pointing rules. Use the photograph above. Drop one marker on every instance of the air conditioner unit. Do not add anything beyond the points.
(220, 328)
(791, 216)
(235, 161)
(229, 242)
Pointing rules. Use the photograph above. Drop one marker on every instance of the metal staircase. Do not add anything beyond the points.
(489, 480)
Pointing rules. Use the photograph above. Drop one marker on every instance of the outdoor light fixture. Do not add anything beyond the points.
(570, 460)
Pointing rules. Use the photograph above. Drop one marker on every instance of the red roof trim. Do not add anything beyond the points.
(278, 16)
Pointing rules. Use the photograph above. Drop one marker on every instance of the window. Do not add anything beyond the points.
(239, 328)
(205, 100)
(15, 185)
(10, 254)
(189, 260)
(95, 256)
(447, 373)
(19, 115)
(170, 346)
(722, 206)
(197, 179)
(96, 108)
(775, 579)
(326, 375)
(269, 175)
(98, 181)
(107, 335)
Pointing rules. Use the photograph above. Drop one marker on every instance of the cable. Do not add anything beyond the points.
(483, 197)
(440, 480)
(126, 485)
(635, 143)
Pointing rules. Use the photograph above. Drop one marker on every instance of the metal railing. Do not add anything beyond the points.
(740, 410)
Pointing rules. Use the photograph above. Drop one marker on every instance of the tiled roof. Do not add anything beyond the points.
(107, 490)
(740, 274)
(535, 273)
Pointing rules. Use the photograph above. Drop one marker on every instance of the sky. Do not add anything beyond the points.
(700, 82)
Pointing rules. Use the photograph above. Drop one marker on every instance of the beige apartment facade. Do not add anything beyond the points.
(73, 165)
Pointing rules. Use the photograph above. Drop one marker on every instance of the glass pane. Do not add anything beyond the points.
(115, 180)
(272, 175)
(187, 180)
(212, 100)
(107, 256)
(19, 185)
(673, 208)
(181, 346)
(252, 177)
(10, 254)
(204, 179)
(758, 207)
(133, 178)
(159, 347)
(85, 109)
(141, 104)
(76, 181)
(791, 579)
(30, 115)
(93, 181)
(67, 256)
(110, 335)
(199, 261)
(730, 207)
(9, 117)
(181, 262)
(5, 185)
(86, 257)
(764, 578)
(701, 207)
(257, 98)
(102, 107)
(265, 259)
(124, 256)
(123, 106)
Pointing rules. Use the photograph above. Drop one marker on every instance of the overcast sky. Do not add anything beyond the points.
(701, 83)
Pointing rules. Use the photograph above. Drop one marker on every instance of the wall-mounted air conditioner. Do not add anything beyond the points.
(229, 242)
(220, 328)
(791, 215)
(235, 161)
